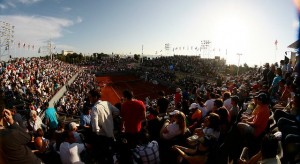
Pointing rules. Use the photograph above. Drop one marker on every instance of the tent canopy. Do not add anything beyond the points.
(295, 45)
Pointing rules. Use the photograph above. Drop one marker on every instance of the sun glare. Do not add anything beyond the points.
(232, 34)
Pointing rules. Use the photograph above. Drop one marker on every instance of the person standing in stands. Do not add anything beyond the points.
(162, 103)
(133, 113)
(102, 126)
(51, 118)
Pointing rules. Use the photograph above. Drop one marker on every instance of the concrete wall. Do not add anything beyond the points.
(61, 92)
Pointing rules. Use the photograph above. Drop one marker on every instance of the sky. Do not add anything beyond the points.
(126, 27)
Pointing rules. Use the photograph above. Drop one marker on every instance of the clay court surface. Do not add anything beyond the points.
(113, 86)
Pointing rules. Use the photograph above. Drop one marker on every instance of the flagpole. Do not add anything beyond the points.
(276, 48)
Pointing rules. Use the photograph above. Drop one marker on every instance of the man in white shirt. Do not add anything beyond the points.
(69, 150)
(102, 126)
(210, 102)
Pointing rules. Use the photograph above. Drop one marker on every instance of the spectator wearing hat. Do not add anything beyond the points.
(73, 128)
(254, 126)
(194, 116)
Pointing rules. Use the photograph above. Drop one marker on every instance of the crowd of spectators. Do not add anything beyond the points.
(110, 64)
(33, 81)
(203, 122)
(72, 102)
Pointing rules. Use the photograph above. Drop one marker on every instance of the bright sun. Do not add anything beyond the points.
(232, 33)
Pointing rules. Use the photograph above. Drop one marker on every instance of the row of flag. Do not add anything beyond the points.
(29, 47)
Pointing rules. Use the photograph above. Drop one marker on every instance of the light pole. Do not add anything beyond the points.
(6, 38)
(239, 54)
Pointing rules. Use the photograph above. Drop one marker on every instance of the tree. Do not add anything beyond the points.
(136, 57)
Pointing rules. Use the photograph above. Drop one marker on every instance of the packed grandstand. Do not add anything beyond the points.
(176, 109)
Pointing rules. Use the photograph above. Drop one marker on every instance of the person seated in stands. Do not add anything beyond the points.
(14, 140)
(41, 143)
(224, 124)
(70, 150)
(57, 137)
(73, 128)
(267, 154)
(286, 96)
(154, 124)
(218, 103)
(175, 126)
(200, 101)
(35, 122)
(146, 151)
(17, 117)
(85, 118)
(194, 116)
(210, 102)
(255, 126)
(288, 123)
(210, 127)
(202, 141)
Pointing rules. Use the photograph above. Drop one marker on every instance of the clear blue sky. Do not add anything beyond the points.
(249, 27)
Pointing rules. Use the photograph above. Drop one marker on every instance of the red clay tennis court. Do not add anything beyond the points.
(113, 86)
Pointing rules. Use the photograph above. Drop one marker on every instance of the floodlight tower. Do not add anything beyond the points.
(238, 69)
(205, 45)
(6, 38)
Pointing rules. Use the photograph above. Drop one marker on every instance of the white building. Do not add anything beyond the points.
(66, 52)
